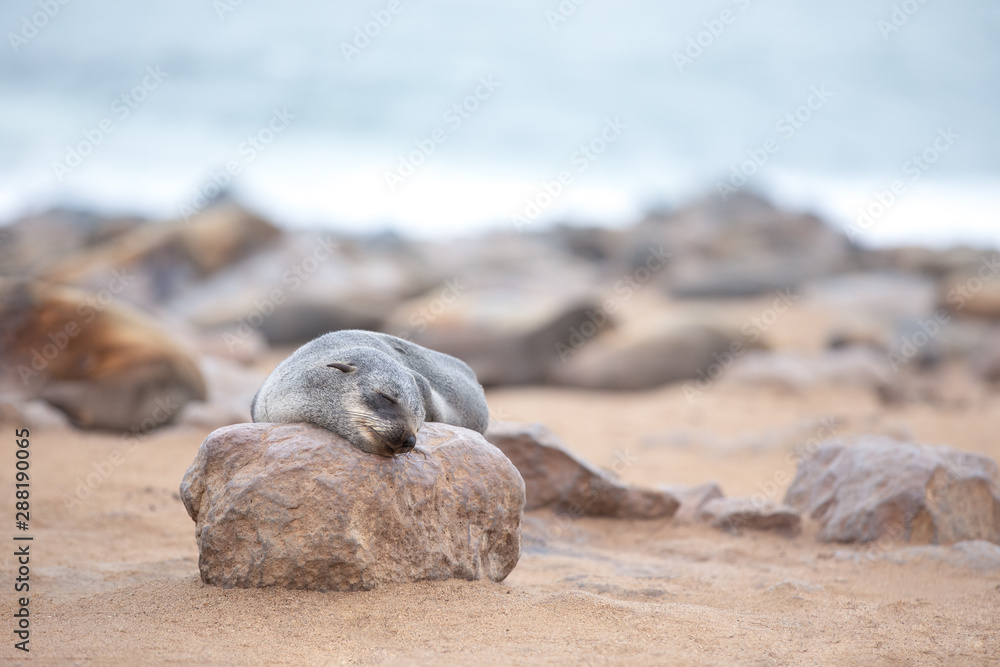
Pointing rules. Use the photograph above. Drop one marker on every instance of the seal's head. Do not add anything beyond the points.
(379, 398)
(360, 393)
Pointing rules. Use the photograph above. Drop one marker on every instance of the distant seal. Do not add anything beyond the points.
(373, 389)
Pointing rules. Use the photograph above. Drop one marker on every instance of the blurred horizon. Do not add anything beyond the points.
(530, 112)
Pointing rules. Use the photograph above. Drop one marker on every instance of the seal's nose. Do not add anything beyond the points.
(410, 442)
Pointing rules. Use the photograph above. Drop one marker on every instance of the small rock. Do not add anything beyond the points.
(734, 514)
(692, 498)
(873, 487)
(555, 477)
(296, 506)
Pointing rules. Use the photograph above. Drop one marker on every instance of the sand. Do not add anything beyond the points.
(114, 578)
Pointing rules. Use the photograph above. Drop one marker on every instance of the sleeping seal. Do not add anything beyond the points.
(373, 389)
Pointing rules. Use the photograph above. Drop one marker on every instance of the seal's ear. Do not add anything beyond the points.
(347, 368)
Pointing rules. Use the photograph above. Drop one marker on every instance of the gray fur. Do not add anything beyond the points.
(379, 406)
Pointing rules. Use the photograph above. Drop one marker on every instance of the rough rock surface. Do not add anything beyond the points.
(876, 487)
(296, 506)
(734, 514)
(555, 477)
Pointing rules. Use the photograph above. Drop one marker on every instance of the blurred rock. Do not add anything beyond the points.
(931, 262)
(692, 498)
(508, 329)
(243, 345)
(29, 246)
(859, 331)
(31, 413)
(230, 391)
(975, 292)
(734, 278)
(593, 244)
(743, 247)
(555, 477)
(153, 262)
(985, 359)
(306, 285)
(296, 506)
(875, 487)
(927, 342)
(735, 514)
(882, 297)
(106, 366)
(849, 367)
(649, 353)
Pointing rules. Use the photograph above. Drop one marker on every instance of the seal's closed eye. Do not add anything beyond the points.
(347, 368)
(394, 401)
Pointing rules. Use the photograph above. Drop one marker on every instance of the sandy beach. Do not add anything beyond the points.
(115, 577)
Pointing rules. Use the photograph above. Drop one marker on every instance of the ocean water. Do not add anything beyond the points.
(440, 117)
